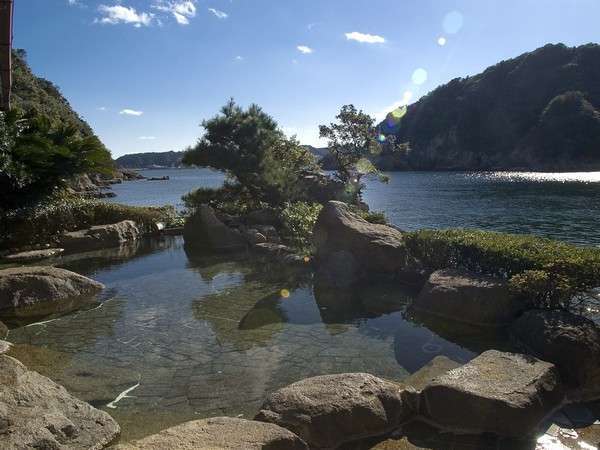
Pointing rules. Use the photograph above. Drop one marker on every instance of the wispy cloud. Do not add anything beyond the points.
(101, 108)
(365, 38)
(406, 98)
(239, 58)
(304, 49)
(122, 14)
(219, 14)
(130, 112)
(147, 138)
(182, 10)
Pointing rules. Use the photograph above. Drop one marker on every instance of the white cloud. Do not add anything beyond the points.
(102, 108)
(406, 98)
(147, 138)
(239, 58)
(123, 14)
(219, 14)
(365, 38)
(182, 10)
(304, 49)
(130, 112)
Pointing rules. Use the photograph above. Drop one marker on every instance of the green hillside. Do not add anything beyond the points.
(537, 111)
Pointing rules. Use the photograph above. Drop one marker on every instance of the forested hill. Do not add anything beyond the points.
(32, 93)
(149, 160)
(537, 111)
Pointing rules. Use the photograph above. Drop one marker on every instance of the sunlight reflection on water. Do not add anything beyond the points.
(561, 177)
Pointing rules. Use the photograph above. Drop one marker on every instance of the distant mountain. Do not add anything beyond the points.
(540, 111)
(150, 160)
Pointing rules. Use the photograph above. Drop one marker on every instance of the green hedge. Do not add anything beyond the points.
(42, 223)
(549, 273)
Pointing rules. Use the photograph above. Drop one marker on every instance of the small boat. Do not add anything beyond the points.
(165, 178)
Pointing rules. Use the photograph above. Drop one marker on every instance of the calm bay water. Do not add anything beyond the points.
(190, 336)
(179, 336)
(562, 206)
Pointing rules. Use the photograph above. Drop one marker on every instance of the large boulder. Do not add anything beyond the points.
(433, 369)
(506, 394)
(349, 246)
(204, 231)
(37, 291)
(100, 236)
(330, 410)
(466, 297)
(37, 413)
(220, 433)
(569, 341)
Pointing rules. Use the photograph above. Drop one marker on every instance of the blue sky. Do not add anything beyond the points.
(145, 73)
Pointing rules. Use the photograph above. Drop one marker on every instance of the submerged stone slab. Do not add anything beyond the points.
(220, 433)
(571, 342)
(37, 413)
(37, 291)
(100, 236)
(466, 297)
(330, 410)
(34, 255)
(506, 394)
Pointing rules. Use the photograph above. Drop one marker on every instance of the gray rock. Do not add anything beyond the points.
(253, 236)
(3, 330)
(37, 413)
(506, 394)
(262, 217)
(204, 231)
(34, 255)
(466, 297)
(4, 347)
(220, 433)
(569, 341)
(269, 232)
(433, 369)
(280, 252)
(100, 236)
(37, 291)
(348, 245)
(330, 410)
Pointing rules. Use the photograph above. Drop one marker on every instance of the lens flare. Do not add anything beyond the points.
(381, 138)
(419, 76)
(441, 41)
(284, 293)
(453, 22)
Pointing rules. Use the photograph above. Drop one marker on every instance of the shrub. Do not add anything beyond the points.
(43, 222)
(232, 199)
(298, 222)
(38, 155)
(373, 217)
(548, 272)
